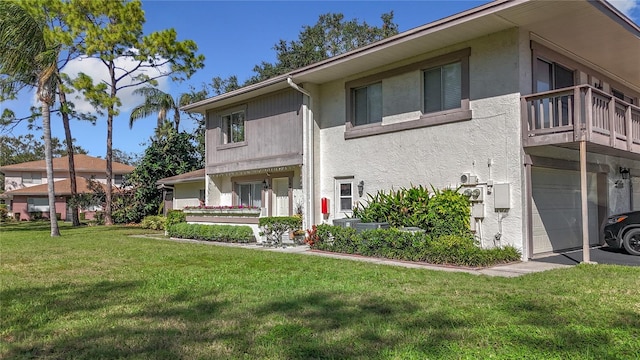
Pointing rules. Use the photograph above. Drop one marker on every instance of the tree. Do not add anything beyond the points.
(160, 103)
(167, 156)
(56, 31)
(27, 59)
(329, 37)
(112, 31)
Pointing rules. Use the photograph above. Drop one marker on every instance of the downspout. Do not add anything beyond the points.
(308, 184)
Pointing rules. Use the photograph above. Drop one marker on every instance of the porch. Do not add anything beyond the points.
(564, 117)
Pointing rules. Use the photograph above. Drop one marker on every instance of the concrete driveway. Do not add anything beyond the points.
(600, 255)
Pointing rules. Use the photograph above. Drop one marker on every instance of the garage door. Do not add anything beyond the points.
(557, 212)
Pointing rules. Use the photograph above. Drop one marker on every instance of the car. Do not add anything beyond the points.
(623, 231)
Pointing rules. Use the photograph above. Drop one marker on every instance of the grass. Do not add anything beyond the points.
(97, 293)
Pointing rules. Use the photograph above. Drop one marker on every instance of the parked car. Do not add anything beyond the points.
(623, 231)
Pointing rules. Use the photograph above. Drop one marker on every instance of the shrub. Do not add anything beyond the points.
(395, 244)
(153, 222)
(4, 212)
(448, 213)
(175, 217)
(274, 226)
(222, 233)
(406, 207)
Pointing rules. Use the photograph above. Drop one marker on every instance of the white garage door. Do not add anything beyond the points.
(557, 213)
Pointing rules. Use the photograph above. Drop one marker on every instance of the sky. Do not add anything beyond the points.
(234, 36)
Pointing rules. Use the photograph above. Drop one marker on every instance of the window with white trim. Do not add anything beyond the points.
(31, 178)
(37, 204)
(249, 194)
(367, 104)
(344, 195)
(443, 87)
(233, 125)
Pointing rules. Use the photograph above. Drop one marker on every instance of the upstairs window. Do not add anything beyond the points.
(367, 104)
(32, 178)
(233, 127)
(443, 87)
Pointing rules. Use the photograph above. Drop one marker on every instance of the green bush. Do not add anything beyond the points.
(399, 245)
(274, 226)
(448, 213)
(222, 233)
(175, 217)
(153, 222)
(406, 207)
(4, 212)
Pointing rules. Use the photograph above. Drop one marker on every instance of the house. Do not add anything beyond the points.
(182, 190)
(531, 107)
(26, 184)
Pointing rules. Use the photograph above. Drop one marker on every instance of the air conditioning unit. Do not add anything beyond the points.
(468, 179)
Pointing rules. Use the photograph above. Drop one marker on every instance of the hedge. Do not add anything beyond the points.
(395, 244)
(222, 233)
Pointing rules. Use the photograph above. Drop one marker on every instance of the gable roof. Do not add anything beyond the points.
(61, 188)
(83, 163)
(192, 176)
(585, 29)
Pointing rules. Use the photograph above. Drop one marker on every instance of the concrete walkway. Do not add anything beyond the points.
(505, 270)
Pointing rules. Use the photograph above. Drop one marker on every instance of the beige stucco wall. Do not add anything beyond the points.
(487, 146)
(187, 194)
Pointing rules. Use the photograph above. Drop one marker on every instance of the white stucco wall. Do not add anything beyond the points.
(487, 146)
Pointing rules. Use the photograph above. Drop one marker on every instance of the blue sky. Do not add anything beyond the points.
(234, 36)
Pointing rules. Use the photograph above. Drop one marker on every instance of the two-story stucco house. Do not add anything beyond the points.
(535, 104)
(26, 183)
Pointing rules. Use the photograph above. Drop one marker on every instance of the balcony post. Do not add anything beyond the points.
(611, 106)
(629, 125)
(525, 115)
(586, 255)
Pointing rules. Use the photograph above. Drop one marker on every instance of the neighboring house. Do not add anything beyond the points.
(26, 184)
(512, 99)
(183, 190)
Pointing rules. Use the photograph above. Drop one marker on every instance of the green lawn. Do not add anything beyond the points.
(98, 293)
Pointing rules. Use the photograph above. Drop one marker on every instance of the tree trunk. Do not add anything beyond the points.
(176, 118)
(48, 159)
(108, 219)
(75, 218)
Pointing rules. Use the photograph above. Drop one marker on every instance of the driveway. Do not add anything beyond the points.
(601, 255)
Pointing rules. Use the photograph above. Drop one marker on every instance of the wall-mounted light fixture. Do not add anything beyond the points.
(265, 184)
(360, 188)
(624, 172)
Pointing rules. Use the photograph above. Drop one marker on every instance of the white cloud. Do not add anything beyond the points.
(98, 72)
(626, 6)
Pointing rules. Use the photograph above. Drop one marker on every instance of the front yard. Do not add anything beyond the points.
(98, 293)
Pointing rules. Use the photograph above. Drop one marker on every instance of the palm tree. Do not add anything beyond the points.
(26, 60)
(157, 101)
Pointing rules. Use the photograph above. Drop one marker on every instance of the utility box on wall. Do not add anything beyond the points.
(501, 196)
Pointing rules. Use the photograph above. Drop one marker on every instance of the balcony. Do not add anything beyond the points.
(566, 116)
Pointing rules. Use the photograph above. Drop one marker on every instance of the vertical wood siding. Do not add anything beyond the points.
(273, 127)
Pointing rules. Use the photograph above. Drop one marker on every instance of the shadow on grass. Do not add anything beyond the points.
(115, 319)
(40, 225)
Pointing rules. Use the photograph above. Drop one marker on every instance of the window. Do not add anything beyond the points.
(37, 204)
(367, 104)
(233, 127)
(249, 194)
(31, 178)
(344, 195)
(117, 179)
(443, 87)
